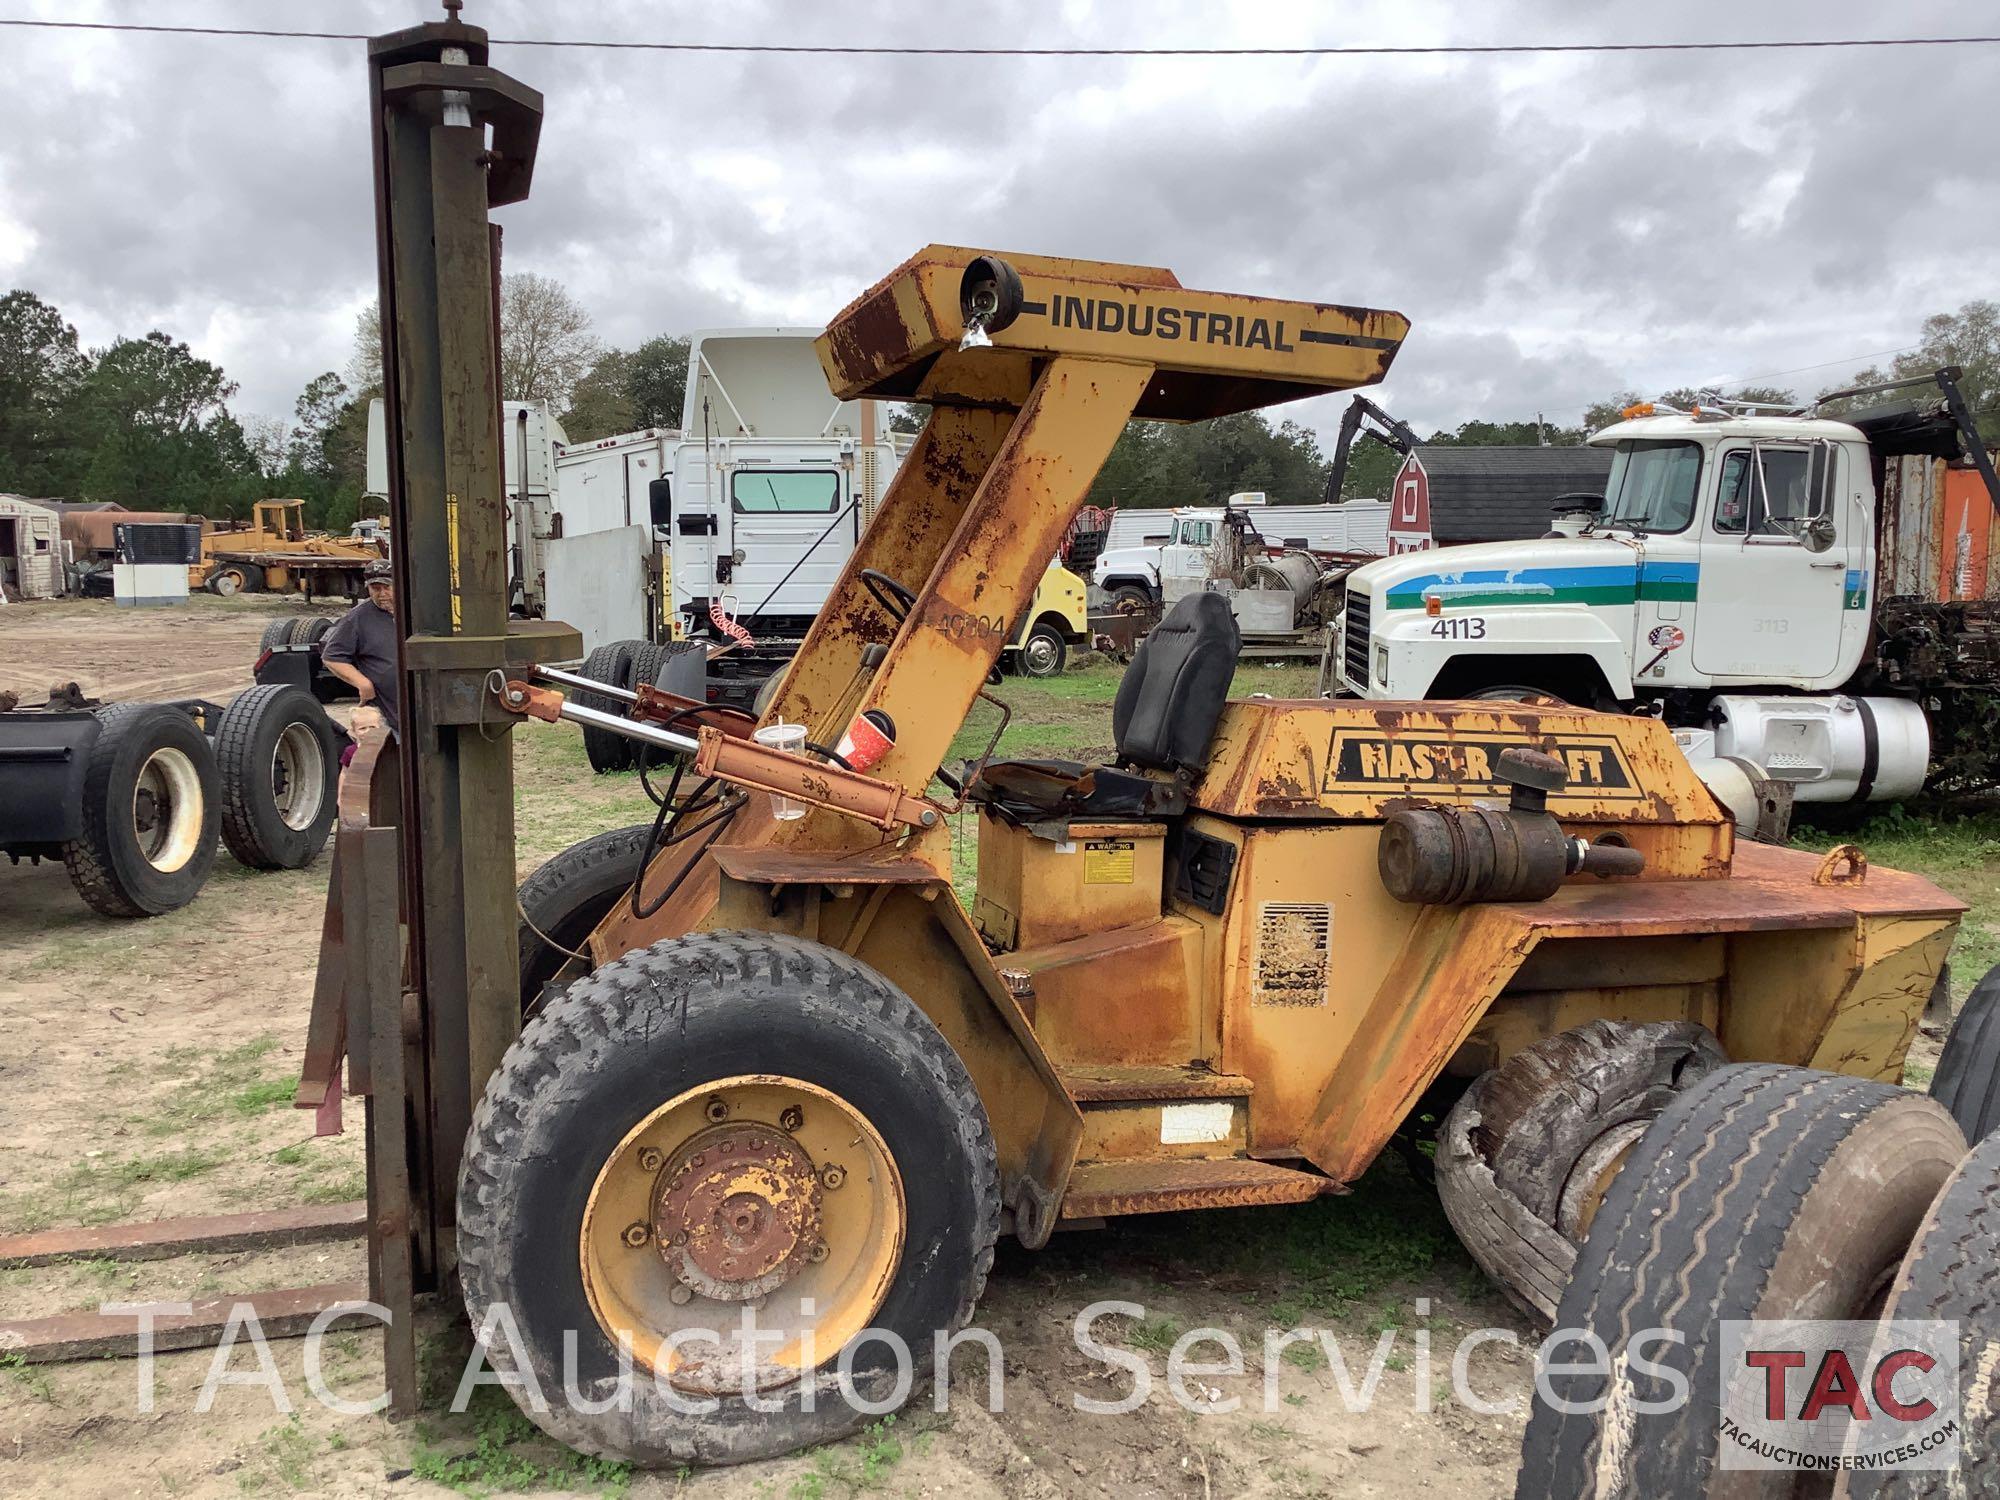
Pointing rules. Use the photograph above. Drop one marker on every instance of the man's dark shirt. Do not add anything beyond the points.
(365, 637)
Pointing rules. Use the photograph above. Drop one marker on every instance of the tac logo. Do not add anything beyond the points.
(1840, 1396)
(1367, 760)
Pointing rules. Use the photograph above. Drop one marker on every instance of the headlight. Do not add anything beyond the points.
(1382, 665)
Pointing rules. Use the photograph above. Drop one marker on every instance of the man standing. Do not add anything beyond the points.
(361, 651)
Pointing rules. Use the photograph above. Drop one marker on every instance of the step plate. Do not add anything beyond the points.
(1101, 1190)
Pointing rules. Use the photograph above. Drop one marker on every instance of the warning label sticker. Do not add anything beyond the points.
(1109, 862)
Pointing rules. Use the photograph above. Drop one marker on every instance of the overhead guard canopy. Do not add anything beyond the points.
(1213, 353)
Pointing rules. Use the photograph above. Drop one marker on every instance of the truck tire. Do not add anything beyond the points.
(1042, 654)
(279, 758)
(1129, 599)
(643, 665)
(150, 813)
(1760, 1192)
(277, 633)
(254, 581)
(586, 1153)
(564, 900)
(1524, 1156)
(226, 582)
(606, 751)
(1952, 1272)
(306, 629)
(1967, 1081)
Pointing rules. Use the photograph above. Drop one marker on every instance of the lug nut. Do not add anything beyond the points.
(636, 1235)
(698, 1158)
(650, 1160)
(792, 1118)
(716, 1109)
(817, 1253)
(679, 1237)
(680, 1296)
(832, 1175)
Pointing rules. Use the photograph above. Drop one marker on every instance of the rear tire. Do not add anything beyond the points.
(254, 581)
(307, 629)
(1761, 1192)
(226, 582)
(609, 664)
(1131, 601)
(150, 814)
(1952, 1272)
(564, 900)
(717, 1016)
(277, 633)
(279, 758)
(1967, 1081)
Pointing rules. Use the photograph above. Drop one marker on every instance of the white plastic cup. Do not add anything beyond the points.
(791, 738)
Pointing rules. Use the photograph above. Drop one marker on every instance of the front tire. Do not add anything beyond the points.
(853, 1138)
(1042, 654)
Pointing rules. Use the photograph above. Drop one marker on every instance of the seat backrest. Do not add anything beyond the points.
(1174, 691)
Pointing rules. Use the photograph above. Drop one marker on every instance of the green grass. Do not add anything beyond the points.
(31, 1378)
(862, 1463)
(1960, 851)
(492, 1448)
(1156, 1334)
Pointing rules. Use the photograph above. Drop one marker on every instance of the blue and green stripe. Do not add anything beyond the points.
(1607, 584)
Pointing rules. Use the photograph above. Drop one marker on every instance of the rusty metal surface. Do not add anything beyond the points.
(283, 1314)
(160, 1239)
(770, 865)
(737, 1211)
(1129, 997)
(1320, 758)
(1217, 352)
(1100, 1190)
(1105, 1085)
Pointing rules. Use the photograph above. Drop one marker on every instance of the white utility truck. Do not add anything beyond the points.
(1809, 631)
(1146, 550)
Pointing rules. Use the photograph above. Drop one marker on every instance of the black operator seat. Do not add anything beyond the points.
(1163, 720)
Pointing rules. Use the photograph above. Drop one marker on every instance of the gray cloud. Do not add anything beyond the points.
(1556, 229)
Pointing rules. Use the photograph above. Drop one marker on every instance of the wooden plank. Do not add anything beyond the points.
(281, 1315)
(160, 1239)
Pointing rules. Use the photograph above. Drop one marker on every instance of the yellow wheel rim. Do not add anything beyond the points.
(754, 1197)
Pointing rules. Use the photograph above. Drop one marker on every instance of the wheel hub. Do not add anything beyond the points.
(738, 1211)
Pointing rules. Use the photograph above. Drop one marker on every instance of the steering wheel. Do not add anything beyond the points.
(888, 593)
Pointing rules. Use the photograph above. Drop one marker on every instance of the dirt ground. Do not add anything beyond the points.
(146, 1071)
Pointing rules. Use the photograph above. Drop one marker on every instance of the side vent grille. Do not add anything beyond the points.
(1292, 942)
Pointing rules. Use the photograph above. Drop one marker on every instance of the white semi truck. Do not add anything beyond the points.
(1805, 628)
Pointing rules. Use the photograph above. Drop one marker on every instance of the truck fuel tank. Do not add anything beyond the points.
(1831, 748)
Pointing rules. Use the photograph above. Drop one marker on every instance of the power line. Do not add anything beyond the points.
(1827, 364)
(810, 50)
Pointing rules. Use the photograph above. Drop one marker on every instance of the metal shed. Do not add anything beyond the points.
(1456, 494)
(30, 549)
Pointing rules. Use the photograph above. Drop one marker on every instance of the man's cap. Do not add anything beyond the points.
(379, 571)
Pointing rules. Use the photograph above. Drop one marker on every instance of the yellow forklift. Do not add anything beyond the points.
(1222, 970)
(718, 1183)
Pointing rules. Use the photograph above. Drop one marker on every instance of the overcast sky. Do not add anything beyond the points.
(1554, 228)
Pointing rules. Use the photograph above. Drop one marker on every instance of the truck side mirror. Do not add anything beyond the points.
(1818, 533)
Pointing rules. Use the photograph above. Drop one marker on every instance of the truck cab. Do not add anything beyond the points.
(1732, 550)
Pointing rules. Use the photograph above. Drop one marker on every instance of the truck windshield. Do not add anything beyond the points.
(1652, 485)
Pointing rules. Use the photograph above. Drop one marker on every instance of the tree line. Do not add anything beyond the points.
(148, 423)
